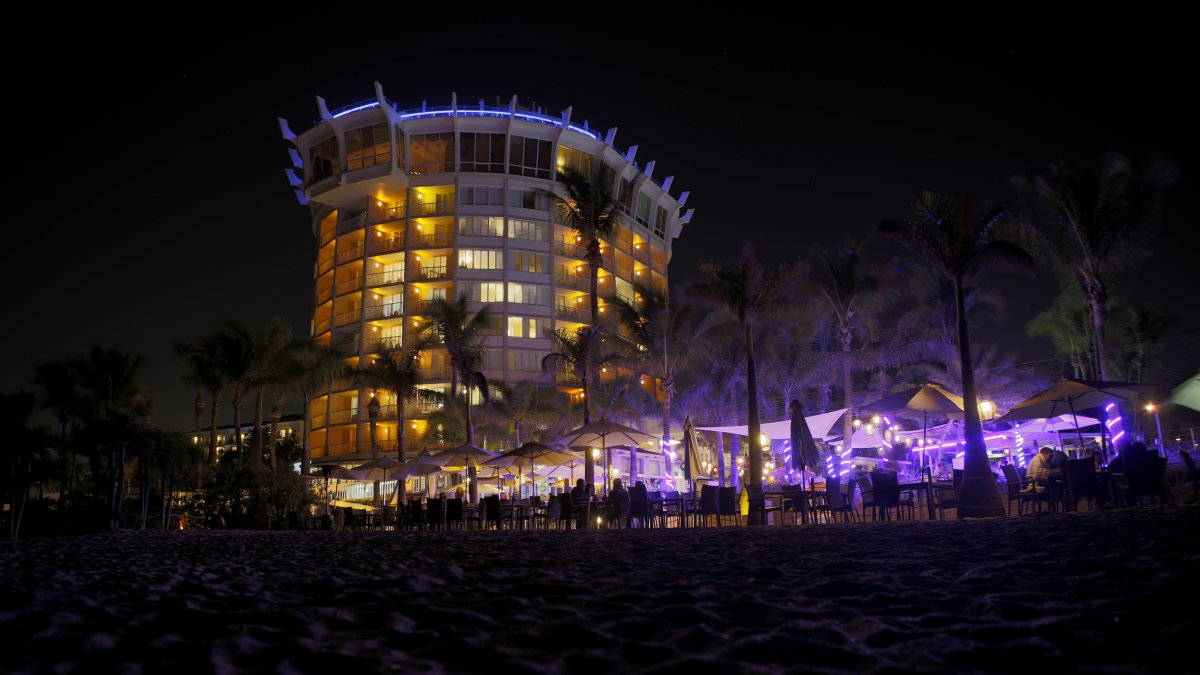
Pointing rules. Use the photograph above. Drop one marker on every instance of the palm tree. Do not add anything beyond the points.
(660, 338)
(268, 343)
(852, 294)
(961, 238)
(1099, 215)
(60, 395)
(462, 332)
(203, 357)
(578, 353)
(752, 293)
(395, 368)
(235, 348)
(306, 368)
(589, 208)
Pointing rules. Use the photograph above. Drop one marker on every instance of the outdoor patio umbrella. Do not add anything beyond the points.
(691, 453)
(1188, 393)
(804, 448)
(422, 464)
(328, 471)
(376, 470)
(1068, 395)
(531, 453)
(604, 433)
(466, 456)
(925, 399)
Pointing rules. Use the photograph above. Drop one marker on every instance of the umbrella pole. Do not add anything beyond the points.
(924, 440)
(1076, 418)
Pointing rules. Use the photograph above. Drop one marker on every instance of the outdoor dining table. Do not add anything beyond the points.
(925, 487)
(683, 505)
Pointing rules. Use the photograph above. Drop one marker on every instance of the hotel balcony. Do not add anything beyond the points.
(353, 252)
(435, 208)
(349, 285)
(576, 314)
(576, 251)
(388, 243)
(352, 224)
(349, 317)
(388, 278)
(573, 281)
(435, 240)
(432, 273)
(567, 378)
(434, 374)
(384, 311)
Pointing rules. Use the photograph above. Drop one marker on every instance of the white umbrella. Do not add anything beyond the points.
(605, 433)
(530, 453)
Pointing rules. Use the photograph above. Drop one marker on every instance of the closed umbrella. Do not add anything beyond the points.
(691, 453)
(804, 447)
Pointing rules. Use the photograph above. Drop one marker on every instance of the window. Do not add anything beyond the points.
(577, 160)
(660, 223)
(529, 199)
(323, 160)
(480, 259)
(519, 359)
(523, 327)
(367, 146)
(625, 196)
(481, 226)
(529, 157)
(481, 195)
(481, 152)
(431, 153)
(484, 291)
(643, 209)
(528, 294)
(526, 229)
(524, 261)
(433, 267)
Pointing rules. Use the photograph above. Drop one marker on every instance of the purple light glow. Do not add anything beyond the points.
(1118, 435)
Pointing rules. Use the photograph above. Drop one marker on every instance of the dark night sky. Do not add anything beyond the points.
(150, 198)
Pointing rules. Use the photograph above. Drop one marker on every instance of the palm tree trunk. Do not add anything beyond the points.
(237, 419)
(735, 446)
(848, 385)
(373, 426)
(256, 451)
(471, 472)
(978, 496)
(755, 463)
(594, 262)
(212, 432)
(720, 459)
(402, 453)
(305, 439)
(589, 463)
(1097, 307)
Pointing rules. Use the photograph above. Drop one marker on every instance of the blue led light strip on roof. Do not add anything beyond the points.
(450, 112)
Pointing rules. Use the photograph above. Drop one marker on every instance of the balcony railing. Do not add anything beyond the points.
(324, 294)
(321, 326)
(421, 306)
(325, 264)
(566, 378)
(573, 250)
(384, 311)
(348, 285)
(396, 211)
(347, 344)
(352, 316)
(351, 252)
(434, 374)
(343, 416)
(572, 281)
(432, 272)
(373, 345)
(390, 242)
(434, 208)
(319, 420)
(385, 278)
(352, 224)
(576, 314)
(435, 240)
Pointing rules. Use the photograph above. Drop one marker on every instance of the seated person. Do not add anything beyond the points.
(1132, 455)
(618, 502)
(1058, 460)
(1039, 469)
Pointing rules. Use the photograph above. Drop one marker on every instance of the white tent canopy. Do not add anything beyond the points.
(820, 426)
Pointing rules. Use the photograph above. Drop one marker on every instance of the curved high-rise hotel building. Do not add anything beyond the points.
(409, 206)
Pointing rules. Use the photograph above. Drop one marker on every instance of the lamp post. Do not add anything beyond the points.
(1150, 407)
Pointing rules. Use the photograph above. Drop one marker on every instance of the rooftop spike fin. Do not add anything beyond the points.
(454, 104)
(686, 217)
(379, 94)
(649, 168)
(293, 179)
(683, 197)
(610, 136)
(296, 160)
(666, 186)
(324, 110)
(300, 197)
(288, 134)
(566, 117)
(512, 105)
(631, 153)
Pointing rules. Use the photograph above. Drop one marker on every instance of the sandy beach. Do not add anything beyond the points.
(1113, 591)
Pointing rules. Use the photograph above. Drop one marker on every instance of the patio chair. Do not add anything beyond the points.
(866, 492)
(886, 488)
(836, 503)
(709, 503)
(639, 506)
(1019, 491)
(727, 505)
(796, 501)
(1148, 479)
(433, 514)
(1191, 469)
(415, 519)
(944, 497)
(757, 504)
(566, 510)
(455, 516)
(1079, 482)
